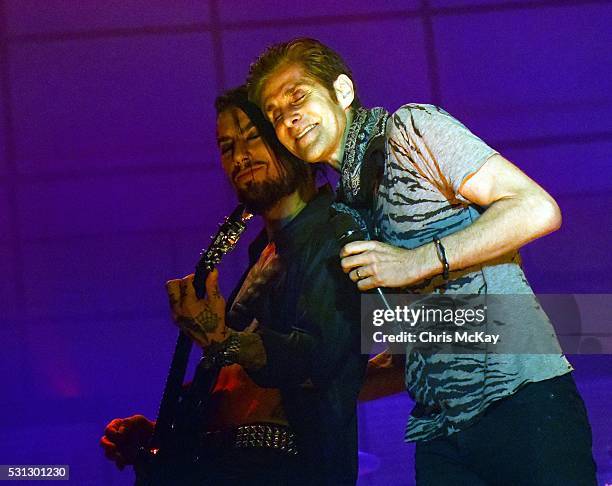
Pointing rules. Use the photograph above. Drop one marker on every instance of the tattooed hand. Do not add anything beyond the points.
(203, 320)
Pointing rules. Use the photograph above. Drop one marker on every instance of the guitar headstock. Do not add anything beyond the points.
(223, 242)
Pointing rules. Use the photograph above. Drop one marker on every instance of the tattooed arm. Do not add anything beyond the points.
(203, 320)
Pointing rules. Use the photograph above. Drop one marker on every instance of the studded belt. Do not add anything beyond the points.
(264, 435)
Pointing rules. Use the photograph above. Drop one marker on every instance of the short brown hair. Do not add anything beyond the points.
(319, 61)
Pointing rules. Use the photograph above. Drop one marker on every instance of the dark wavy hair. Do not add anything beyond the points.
(289, 163)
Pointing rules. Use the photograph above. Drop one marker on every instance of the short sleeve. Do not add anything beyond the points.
(435, 145)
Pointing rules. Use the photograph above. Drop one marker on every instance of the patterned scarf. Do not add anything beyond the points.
(363, 152)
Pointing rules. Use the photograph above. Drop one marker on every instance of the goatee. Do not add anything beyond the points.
(258, 197)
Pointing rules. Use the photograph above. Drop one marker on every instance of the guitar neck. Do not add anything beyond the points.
(224, 241)
(172, 390)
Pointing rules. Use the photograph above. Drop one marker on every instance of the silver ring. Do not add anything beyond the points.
(358, 276)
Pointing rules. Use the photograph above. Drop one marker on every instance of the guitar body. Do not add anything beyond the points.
(176, 462)
(171, 456)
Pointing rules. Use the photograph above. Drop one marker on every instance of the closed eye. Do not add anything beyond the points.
(298, 96)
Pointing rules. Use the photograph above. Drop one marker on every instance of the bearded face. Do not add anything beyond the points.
(258, 177)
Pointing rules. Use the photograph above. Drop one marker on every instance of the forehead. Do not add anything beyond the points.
(232, 121)
(281, 83)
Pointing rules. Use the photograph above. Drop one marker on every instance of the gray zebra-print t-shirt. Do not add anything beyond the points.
(429, 154)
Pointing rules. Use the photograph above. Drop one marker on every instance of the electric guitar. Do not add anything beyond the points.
(174, 438)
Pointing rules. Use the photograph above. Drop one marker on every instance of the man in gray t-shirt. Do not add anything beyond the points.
(450, 214)
(430, 156)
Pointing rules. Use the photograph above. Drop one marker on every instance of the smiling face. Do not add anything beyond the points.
(251, 166)
(305, 117)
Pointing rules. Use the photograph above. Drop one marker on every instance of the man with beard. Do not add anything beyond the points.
(450, 213)
(283, 409)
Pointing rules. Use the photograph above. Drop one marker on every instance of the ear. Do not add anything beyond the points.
(345, 93)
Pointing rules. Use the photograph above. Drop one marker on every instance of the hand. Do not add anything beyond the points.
(374, 264)
(203, 320)
(123, 437)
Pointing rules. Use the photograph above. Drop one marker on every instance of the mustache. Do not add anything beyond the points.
(248, 165)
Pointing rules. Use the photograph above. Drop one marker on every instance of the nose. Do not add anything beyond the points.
(292, 119)
(242, 155)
